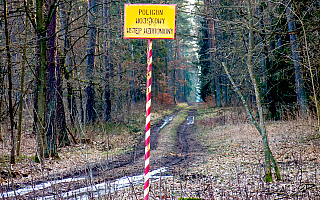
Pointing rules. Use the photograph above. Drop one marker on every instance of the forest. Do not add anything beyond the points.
(235, 109)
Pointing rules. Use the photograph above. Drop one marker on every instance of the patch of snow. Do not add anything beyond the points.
(100, 189)
(29, 189)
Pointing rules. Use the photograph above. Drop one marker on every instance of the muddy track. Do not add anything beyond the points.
(186, 150)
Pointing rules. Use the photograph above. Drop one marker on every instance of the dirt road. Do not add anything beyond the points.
(173, 145)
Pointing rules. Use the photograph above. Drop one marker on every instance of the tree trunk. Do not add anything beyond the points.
(65, 61)
(51, 147)
(41, 99)
(225, 90)
(214, 65)
(24, 58)
(119, 50)
(267, 151)
(132, 75)
(213, 56)
(60, 120)
(41, 80)
(268, 172)
(253, 120)
(176, 67)
(107, 59)
(183, 86)
(217, 86)
(1, 90)
(299, 83)
(264, 54)
(6, 30)
(90, 99)
(81, 104)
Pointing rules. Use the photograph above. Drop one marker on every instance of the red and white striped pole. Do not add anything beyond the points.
(148, 112)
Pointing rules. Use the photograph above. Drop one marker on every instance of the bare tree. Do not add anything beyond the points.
(269, 159)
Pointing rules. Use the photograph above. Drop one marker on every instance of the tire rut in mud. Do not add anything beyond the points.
(187, 148)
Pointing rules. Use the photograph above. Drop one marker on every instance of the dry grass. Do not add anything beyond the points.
(235, 164)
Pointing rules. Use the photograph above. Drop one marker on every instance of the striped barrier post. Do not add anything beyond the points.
(148, 112)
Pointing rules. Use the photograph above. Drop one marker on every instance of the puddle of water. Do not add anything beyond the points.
(100, 189)
(26, 190)
(190, 120)
(166, 121)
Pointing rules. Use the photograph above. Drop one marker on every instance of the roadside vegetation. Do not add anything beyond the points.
(235, 166)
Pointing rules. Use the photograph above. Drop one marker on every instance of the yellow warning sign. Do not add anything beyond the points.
(150, 21)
